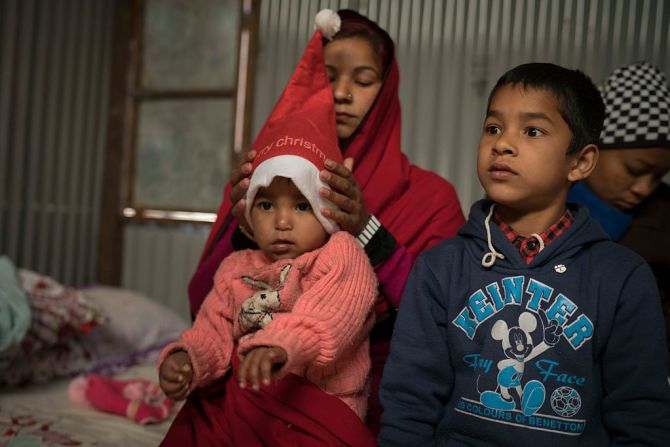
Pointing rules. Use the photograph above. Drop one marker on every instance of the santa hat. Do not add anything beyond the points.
(300, 133)
(637, 103)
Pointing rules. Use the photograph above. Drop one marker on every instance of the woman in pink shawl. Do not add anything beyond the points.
(395, 209)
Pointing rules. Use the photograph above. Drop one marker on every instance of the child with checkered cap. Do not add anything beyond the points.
(531, 326)
(625, 193)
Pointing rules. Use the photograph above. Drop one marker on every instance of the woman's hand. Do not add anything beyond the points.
(175, 374)
(259, 365)
(240, 181)
(346, 195)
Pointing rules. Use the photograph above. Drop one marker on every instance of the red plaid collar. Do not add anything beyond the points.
(530, 247)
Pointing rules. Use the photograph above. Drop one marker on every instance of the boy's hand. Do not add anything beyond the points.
(258, 365)
(175, 374)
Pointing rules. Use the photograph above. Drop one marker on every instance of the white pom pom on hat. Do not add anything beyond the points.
(328, 22)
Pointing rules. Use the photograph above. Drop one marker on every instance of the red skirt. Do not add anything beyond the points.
(290, 412)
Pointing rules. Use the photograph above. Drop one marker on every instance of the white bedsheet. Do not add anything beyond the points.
(42, 415)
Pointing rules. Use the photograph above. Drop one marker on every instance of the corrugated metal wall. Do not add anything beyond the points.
(451, 52)
(54, 63)
(54, 67)
(159, 261)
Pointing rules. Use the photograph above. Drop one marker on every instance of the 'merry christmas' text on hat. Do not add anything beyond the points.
(300, 133)
(637, 103)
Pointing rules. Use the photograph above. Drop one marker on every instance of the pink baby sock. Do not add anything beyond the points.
(138, 399)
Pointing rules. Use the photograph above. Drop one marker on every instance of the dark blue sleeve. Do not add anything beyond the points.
(418, 376)
(636, 402)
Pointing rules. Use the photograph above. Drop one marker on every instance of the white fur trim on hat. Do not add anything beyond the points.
(328, 22)
(305, 177)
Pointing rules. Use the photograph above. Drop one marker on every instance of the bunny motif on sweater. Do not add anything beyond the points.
(257, 310)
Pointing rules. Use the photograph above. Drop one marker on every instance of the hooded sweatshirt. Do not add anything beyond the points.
(567, 350)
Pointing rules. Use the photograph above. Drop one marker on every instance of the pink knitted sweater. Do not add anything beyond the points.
(317, 307)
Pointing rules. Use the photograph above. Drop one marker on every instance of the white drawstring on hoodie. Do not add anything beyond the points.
(490, 258)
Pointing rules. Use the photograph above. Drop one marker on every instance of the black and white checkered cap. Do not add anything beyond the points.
(637, 105)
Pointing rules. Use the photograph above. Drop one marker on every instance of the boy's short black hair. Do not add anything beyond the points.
(580, 103)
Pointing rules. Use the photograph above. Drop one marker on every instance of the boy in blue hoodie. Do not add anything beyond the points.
(530, 327)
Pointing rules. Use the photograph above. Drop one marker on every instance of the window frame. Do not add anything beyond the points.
(126, 95)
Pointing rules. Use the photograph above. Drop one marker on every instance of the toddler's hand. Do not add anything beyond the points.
(175, 374)
(258, 365)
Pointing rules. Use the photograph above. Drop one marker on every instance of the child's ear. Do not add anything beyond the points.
(583, 163)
